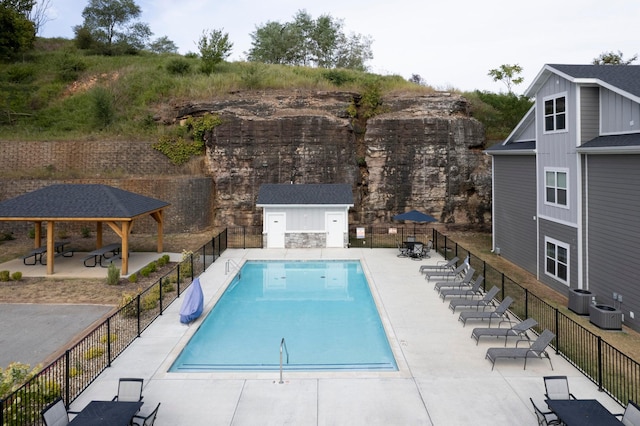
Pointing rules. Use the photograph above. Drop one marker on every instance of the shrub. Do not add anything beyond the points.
(70, 66)
(85, 232)
(150, 300)
(178, 66)
(113, 274)
(93, 352)
(75, 371)
(167, 286)
(111, 338)
(103, 108)
(152, 267)
(177, 149)
(7, 236)
(5, 276)
(127, 305)
(145, 272)
(133, 278)
(16, 276)
(14, 376)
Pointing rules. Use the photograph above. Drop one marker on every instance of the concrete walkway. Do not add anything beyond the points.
(444, 378)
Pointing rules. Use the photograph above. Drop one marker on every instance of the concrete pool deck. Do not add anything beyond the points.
(444, 378)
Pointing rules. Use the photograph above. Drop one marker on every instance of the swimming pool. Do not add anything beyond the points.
(323, 309)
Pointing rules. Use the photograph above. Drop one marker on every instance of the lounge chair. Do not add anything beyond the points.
(545, 417)
(518, 330)
(442, 265)
(631, 415)
(474, 290)
(557, 387)
(464, 302)
(536, 350)
(449, 274)
(499, 313)
(467, 281)
(129, 389)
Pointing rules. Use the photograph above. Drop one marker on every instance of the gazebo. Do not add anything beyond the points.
(83, 203)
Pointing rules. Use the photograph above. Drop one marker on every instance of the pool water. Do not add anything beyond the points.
(323, 309)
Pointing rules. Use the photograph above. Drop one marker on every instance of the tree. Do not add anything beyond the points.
(610, 58)
(308, 42)
(17, 33)
(113, 27)
(508, 75)
(22, 7)
(163, 45)
(214, 47)
(38, 14)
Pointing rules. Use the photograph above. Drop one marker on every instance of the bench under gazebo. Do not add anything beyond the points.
(100, 204)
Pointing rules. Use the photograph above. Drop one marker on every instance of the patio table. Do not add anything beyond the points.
(111, 413)
(582, 412)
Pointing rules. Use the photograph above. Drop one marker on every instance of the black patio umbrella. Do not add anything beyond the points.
(415, 216)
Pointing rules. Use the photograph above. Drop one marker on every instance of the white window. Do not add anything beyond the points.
(556, 187)
(555, 114)
(557, 260)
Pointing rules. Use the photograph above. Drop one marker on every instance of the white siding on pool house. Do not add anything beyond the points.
(305, 215)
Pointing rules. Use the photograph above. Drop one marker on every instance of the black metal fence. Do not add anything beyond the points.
(70, 374)
(611, 370)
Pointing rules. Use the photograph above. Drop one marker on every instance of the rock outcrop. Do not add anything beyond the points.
(418, 152)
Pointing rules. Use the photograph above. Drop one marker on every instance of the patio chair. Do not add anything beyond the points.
(518, 330)
(55, 414)
(145, 420)
(545, 417)
(466, 281)
(464, 302)
(631, 415)
(499, 313)
(474, 290)
(402, 249)
(442, 265)
(446, 274)
(129, 389)
(418, 252)
(538, 349)
(557, 387)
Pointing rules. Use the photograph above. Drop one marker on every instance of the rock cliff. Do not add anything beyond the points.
(418, 152)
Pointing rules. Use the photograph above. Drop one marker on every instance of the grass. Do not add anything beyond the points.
(53, 93)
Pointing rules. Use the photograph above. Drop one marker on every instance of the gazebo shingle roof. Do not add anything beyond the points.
(79, 201)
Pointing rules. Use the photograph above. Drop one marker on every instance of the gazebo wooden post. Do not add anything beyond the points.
(125, 247)
(160, 226)
(38, 234)
(98, 235)
(50, 246)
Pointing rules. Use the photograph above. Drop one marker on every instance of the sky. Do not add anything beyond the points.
(449, 44)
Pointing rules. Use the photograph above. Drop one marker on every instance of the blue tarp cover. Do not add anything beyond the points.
(193, 303)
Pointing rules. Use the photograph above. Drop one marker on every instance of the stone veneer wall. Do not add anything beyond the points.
(305, 240)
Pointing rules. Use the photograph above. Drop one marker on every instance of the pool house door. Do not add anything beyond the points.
(335, 229)
(276, 226)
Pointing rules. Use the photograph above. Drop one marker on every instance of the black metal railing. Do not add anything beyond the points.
(611, 370)
(71, 373)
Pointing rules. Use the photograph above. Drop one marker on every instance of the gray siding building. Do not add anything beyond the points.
(566, 184)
